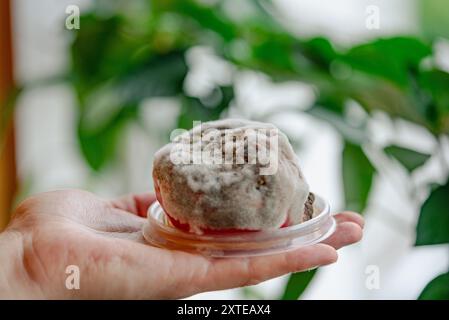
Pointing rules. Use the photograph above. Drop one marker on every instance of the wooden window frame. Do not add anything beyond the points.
(8, 180)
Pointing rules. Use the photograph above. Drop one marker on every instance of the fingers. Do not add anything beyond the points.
(118, 218)
(120, 222)
(349, 230)
(178, 274)
(157, 273)
(231, 273)
(346, 233)
(348, 216)
(137, 204)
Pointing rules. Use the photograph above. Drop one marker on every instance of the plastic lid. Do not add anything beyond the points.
(159, 232)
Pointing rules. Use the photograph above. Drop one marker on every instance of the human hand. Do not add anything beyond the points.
(53, 230)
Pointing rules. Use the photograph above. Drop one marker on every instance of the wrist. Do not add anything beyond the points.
(14, 280)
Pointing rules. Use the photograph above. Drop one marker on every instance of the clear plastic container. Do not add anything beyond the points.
(159, 232)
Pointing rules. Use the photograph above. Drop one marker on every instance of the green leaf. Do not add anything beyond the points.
(297, 284)
(433, 222)
(98, 145)
(437, 289)
(207, 109)
(207, 16)
(106, 109)
(274, 54)
(391, 58)
(375, 94)
(106, 48)
(435, 83)
(93, 42)
(161, 76)
(358, 175)
(320, 51)
(410, 159)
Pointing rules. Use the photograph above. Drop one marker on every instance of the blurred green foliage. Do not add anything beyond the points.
(410, 159)
(357, 177)
(434, 18)
(433, 221)
(297, 283)
(121, 57)
(437, 289)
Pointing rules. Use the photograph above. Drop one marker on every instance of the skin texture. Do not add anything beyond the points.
(53, 230)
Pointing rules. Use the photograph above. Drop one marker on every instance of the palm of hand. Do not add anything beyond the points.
(103, 238)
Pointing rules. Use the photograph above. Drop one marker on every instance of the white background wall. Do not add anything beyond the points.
(48, 155)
